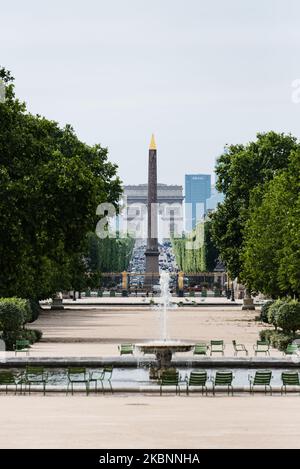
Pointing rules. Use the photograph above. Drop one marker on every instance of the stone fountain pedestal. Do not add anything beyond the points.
(163, 350)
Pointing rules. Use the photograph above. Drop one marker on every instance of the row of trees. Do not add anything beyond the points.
(196, 252)
(50, 186)
(109, 254)
(257, 227)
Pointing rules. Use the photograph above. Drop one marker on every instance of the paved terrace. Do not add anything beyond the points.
(149, 422)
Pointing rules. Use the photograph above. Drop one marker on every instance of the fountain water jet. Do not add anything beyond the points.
(164, 348)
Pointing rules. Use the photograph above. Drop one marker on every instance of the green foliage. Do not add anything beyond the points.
(288, 316)
(264, 311)
(272, 235)
(108, 254)
(33, 335)
(13, 315)
(243, 171)
(196, 252)
(50, 186)
(35, 310)
(273, 311)
(279, 340)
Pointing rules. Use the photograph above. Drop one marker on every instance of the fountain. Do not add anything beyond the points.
(164, 348)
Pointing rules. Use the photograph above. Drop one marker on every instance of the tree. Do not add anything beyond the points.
(197, 252)
(240, 170)
(271, 253)
(50, 186)
(108, 254)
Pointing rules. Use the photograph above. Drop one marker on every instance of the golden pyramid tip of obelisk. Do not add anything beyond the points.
(152, 143)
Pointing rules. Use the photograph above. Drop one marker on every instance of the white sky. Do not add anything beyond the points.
(197, 73)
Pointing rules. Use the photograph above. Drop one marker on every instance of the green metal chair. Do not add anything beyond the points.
(292, 349)
(261, 378)
(34, 375)
(126, 349)
(261, 346)
(22, 345)
(105, 376)
(224, 379)
(200, 349)
(197, 379)
(289, 378)
(77, 375)
(217, 346)
(7, 378)
(170, 378)
(239, 348)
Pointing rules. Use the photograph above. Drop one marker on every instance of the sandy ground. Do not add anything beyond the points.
(149, 422)
(98, 331)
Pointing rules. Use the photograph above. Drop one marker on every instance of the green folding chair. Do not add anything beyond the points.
(105, 376)
(170, 379)
(261, 378)
(239, 348)
(223, 379)
(35, 376)
(8, 379)
(197, 379)
(77, 375)
(22, 345)
(126, 349)
(217, 346)
(289, 378)
(200, 349)
(261, 346)
(292, 349)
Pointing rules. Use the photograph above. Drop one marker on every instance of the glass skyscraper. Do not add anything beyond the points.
(197, 191)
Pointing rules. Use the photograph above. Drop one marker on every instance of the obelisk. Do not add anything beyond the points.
(152, 253)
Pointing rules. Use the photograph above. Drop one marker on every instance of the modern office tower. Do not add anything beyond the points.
(197, 191)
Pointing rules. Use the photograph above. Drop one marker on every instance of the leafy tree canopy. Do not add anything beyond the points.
(243, 171)
(50, 186)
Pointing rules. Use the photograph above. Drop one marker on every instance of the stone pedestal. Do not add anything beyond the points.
(57, 304)
(152, 268)
(248, 303)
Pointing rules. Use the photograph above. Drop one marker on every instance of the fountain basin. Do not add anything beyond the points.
(163, 350)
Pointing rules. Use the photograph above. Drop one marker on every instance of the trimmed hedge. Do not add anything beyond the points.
(273, 311)
(14, 313)
(285, 315)
(264, 311)
(288, 316)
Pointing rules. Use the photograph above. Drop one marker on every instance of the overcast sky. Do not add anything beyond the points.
(197, 73)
